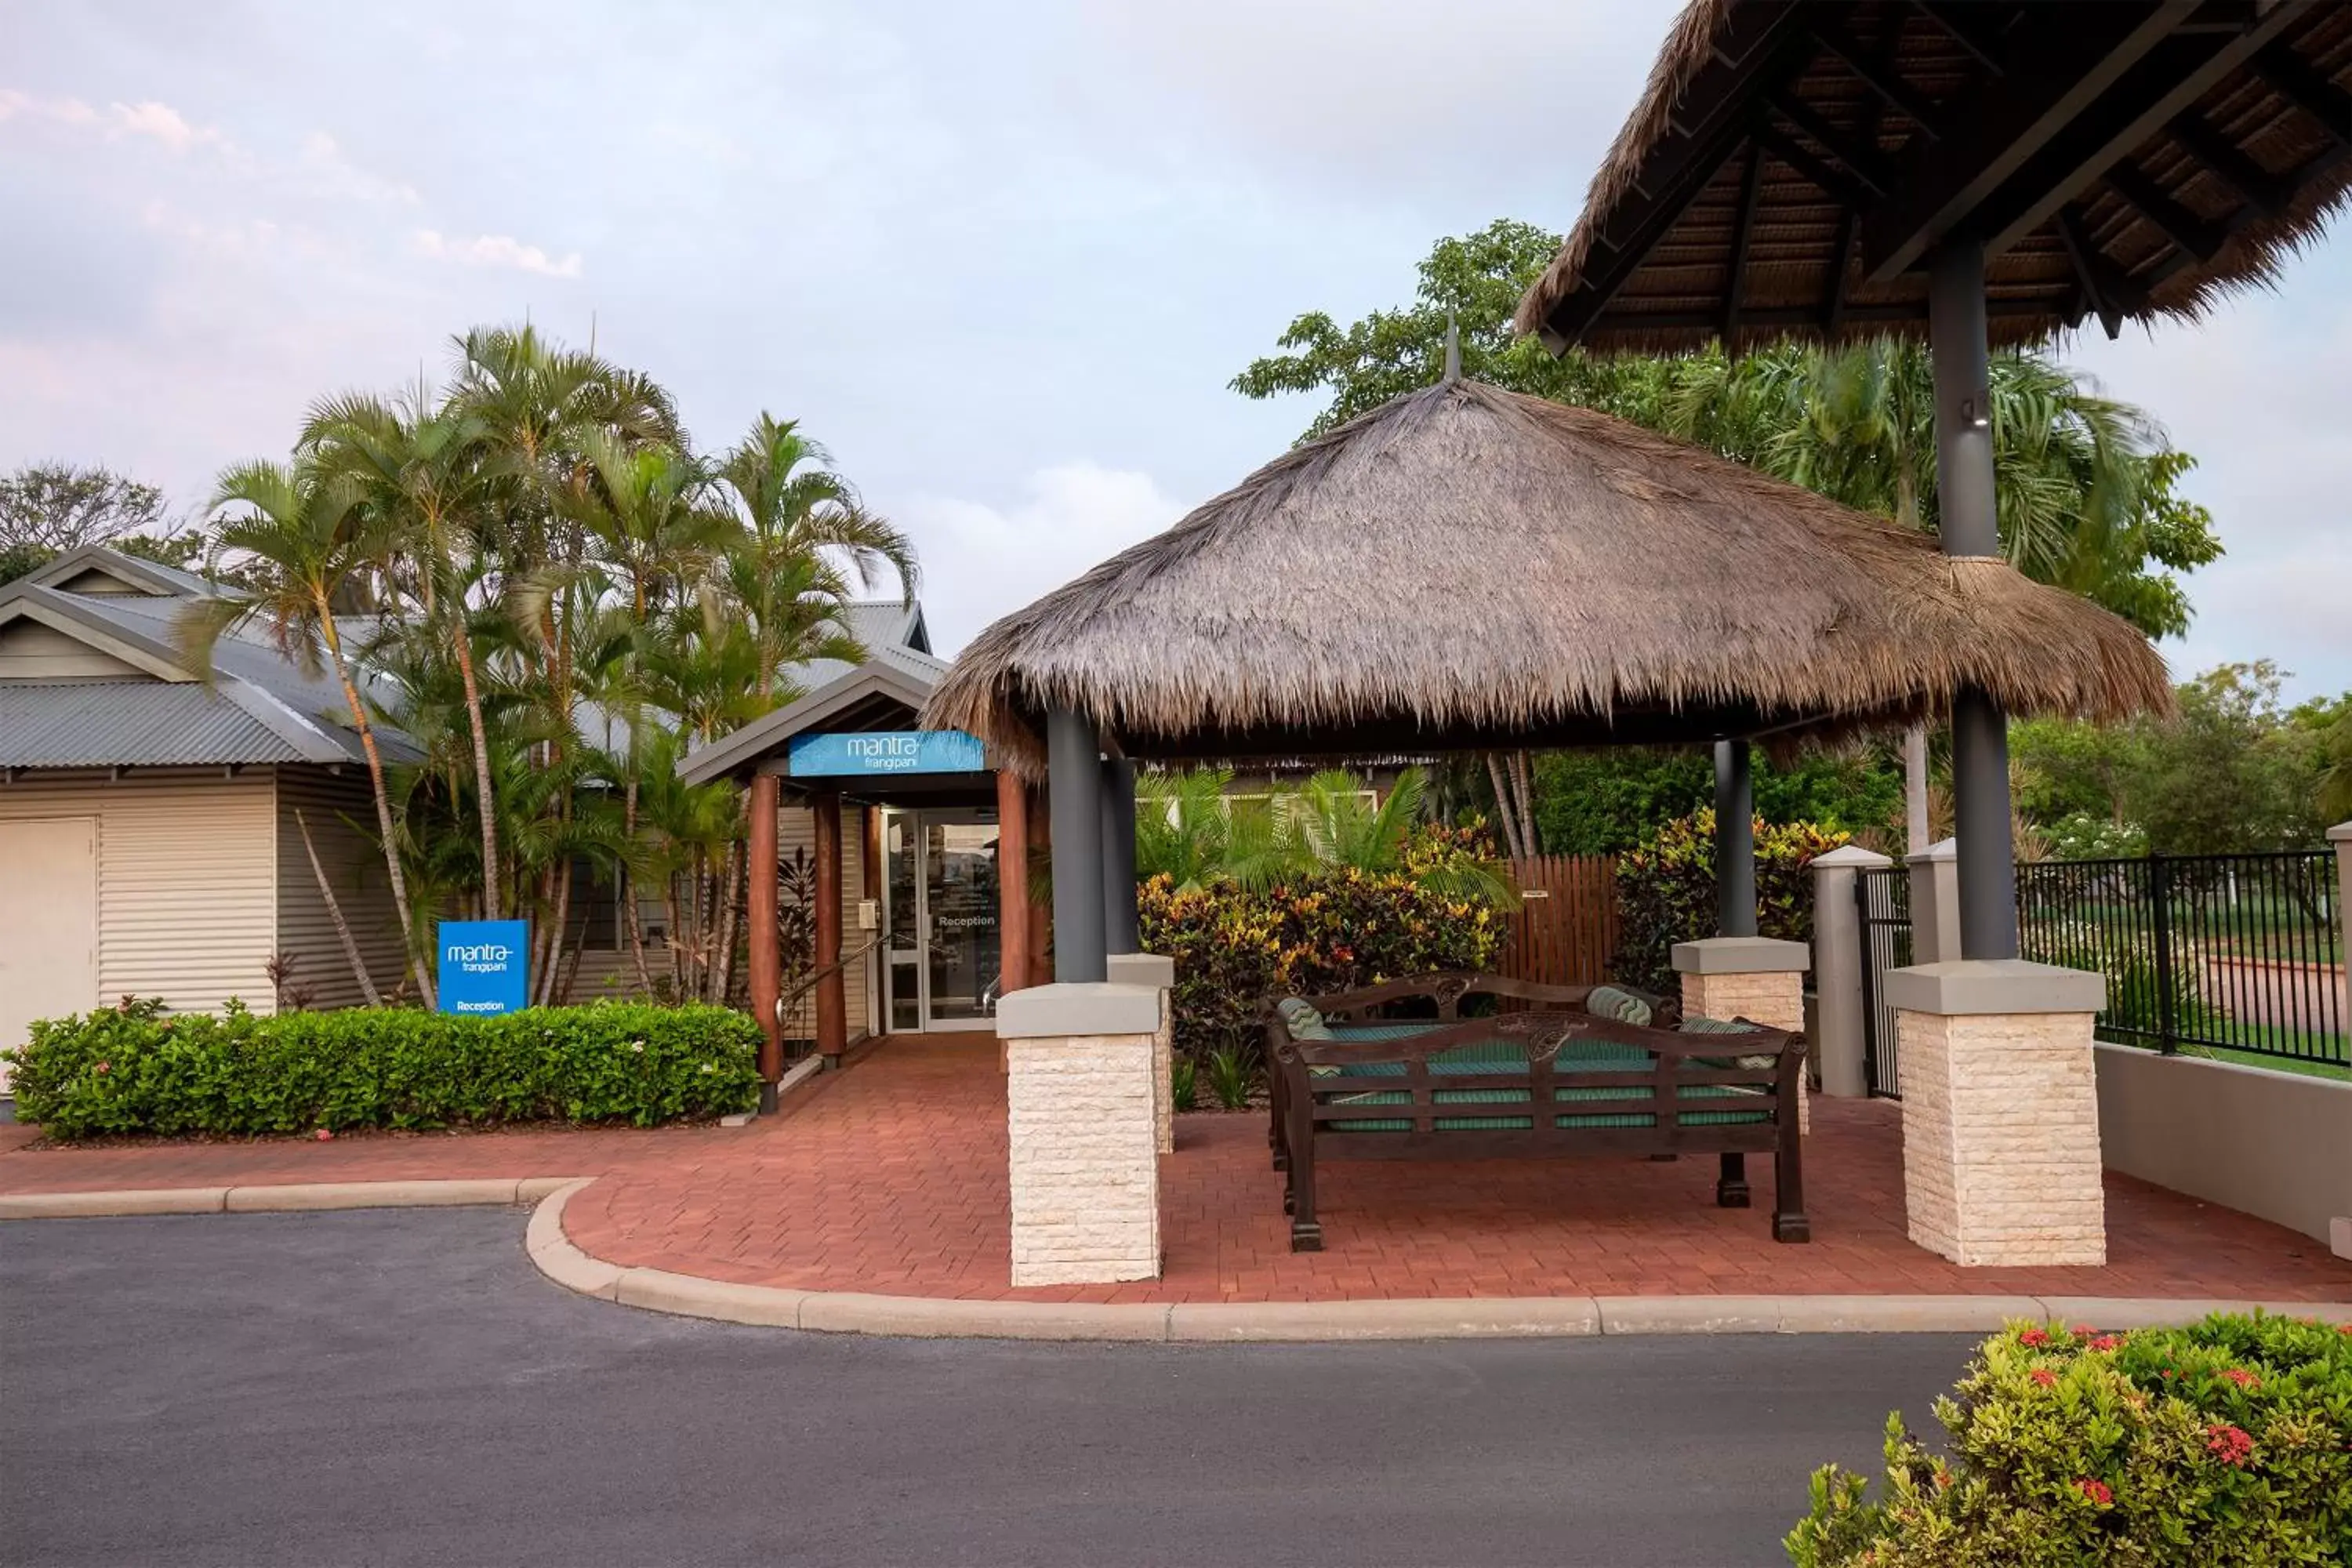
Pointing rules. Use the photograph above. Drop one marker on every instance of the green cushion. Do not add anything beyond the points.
(1609, 1001)
(1485, 1057)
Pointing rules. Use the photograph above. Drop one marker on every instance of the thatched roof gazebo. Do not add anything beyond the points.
(1467, 568)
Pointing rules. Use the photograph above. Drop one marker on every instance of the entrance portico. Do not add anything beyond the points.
(938, 925)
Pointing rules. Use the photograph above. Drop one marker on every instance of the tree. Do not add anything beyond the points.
(56, 508)
(2087, 490)
(297, 529)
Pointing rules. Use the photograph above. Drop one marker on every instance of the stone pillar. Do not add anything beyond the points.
(1159, 974)
(1080, 1112)
(2000, 1111)
(1935, 903)
(1758, 978)
(1837, 968)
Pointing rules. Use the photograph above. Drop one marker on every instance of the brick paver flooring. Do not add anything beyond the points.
(890, 1177)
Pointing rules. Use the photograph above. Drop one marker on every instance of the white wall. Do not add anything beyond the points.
(2274, 1144)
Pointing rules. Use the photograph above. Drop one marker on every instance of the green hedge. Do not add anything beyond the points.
(2229, 1442)
(1665, 892)
(133, 1070)
(1311, 935)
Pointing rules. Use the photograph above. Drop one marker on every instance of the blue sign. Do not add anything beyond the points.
(484, 966)
(886, 751)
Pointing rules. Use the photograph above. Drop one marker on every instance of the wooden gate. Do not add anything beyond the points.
(1566, 927)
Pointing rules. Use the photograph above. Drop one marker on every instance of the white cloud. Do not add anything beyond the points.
(153, 122)
(980, 561)
(494, 250)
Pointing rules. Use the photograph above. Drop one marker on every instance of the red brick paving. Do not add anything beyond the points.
(891, 1178)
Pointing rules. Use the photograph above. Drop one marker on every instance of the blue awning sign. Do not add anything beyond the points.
(876, 753)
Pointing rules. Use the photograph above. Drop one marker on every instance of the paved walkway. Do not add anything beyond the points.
(890, 1178)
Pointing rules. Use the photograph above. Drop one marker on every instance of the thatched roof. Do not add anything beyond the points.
(1467, 567)
(1791, 160)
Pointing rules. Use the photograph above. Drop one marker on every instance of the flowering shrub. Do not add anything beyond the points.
(133, 1070)
(1310, 936)
(2079, 836)
(2228, 1442)
(1665, 892)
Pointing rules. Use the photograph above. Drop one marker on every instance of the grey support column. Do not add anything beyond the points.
(1122, 929)
(1074, 784)
(1970, 526)
(1735, 841)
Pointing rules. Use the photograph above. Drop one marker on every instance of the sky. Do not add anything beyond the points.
(1001, 260)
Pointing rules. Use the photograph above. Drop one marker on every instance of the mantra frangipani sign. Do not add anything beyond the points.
(863, 755)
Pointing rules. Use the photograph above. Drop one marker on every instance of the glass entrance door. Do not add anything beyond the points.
(940, 885)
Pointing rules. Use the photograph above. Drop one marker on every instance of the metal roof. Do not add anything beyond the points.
(125, 723)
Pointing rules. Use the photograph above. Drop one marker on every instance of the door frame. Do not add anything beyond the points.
(918, 845)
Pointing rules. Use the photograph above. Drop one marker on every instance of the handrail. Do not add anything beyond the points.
(787, 998)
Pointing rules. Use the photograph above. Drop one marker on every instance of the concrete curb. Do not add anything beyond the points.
(290, 1197)
(1207, 1322)
(1235, 1323)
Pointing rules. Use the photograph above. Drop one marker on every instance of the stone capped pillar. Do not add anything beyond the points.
(1760, 978)
(1837, 1043)
(1935, 875)
(2000, 1111)
(1159, 974)
(1081, 1136)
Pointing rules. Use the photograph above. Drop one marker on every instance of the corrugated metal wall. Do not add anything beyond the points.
(331, 804)
(187, 870)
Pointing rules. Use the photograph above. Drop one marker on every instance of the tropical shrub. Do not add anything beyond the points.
(133, 1070)
(1230, 1080)
(1665, 892)
(1311, 934)
(2079, 836)
(2228, 1442)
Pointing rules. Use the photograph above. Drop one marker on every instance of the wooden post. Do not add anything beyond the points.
(832, 1011)
(767, 960)
(1041, 913)
(1012, 882)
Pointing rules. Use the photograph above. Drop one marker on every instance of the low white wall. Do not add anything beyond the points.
(2274, 1144)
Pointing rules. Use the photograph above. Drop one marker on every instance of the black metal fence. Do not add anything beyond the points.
(2230, 953)
(1882, 902)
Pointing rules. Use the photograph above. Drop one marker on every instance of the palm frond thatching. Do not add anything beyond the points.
(1467, 567)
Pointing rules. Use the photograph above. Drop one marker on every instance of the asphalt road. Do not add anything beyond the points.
(400, 1387)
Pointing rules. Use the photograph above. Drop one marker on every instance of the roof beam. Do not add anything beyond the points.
(1833, 299)
(2180, 226)
(1881, 77)
(1751, 187)
(1965, 34)
(2159, 89)
(1827, 177)
(2293, 77)
(2064, 60)
(1863, 162)
(2112, 295)
(2256, 186)
(1599, 286)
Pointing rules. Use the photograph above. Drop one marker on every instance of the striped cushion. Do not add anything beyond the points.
(1726, 1027)
(1609, 1001)
(1299, 1017)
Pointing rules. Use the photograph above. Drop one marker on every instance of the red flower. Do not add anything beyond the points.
(2241, 1377)
(323, 1134)
(2033, 1339)
(2083, 1330)
(2230, 1445)
(2097, 1491)
(104, 1066)
(2045, 1377)
(2106, 1341)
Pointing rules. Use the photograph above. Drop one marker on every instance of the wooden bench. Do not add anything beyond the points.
(1551, 1081)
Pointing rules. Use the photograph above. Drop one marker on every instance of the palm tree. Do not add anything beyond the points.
(1188, 829)
(1335, 826)
(419, 465)
(304, 556)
